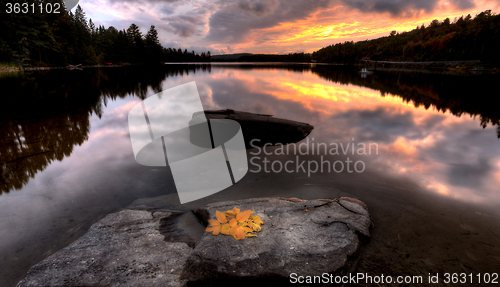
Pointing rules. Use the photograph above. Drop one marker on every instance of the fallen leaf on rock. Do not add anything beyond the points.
(235, 223)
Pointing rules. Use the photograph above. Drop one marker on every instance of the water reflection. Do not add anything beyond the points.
(416, 117)
(45, 115)
(457, 94)
(65, 145)
(424, 123)
(29, 146)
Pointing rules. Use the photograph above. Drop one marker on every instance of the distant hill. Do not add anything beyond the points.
(463, 39)
(229, 56)
(248, 57)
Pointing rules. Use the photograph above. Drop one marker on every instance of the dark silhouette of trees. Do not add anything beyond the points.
(31, 37)
(173, 55)
(137, 43)
(48, 39)
(153, 48)
(464, 39)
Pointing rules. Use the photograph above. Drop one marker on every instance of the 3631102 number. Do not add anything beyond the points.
(25, 8)
(488, 278)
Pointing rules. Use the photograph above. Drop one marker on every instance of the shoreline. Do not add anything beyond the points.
(455, 67)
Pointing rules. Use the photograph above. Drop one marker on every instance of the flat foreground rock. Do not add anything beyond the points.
(126, 248)
(303, 237)
(145, 247)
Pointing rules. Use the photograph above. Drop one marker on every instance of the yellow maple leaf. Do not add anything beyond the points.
(233, 222)
(237, 232)
(244, 215)
(232, 213)
(220, 217)
(225, 229)
(215, 225)
(257, 220)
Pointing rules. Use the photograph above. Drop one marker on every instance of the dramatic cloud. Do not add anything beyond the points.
(275, 26)
(403, 8)
(258, 8)
(464, 4)
(234, 22)
(181, 29)
(181, 25)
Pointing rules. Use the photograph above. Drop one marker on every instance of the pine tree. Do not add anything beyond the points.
(80, 19)
(153, 47)
(91, 27)
(135, 37)
(152, 37)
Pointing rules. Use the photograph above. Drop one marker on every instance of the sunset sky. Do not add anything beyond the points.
(274, 26)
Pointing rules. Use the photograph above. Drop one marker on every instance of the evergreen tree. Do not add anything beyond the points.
(135, 37)
(91, 27)
(152, 37)
(153, 47)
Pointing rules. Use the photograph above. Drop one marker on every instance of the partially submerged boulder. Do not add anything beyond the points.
(265, 128)
(304, 237)
(126, 248)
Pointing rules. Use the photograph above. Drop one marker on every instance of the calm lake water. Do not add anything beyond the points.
(431, 184)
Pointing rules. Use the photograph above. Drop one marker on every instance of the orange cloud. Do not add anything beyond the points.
(276, 26)
(341, 23)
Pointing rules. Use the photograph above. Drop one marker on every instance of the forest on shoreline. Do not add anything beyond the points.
(465, 38)
(46, 39)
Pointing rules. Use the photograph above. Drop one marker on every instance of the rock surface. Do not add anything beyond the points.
(127, 248)
(266, 128)
(304, 237)
(145, 247)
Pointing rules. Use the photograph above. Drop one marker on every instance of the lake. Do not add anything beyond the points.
(431, 180)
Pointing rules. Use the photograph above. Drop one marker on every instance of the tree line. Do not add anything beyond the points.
(291, 57)
(465, 38)
(49, 39)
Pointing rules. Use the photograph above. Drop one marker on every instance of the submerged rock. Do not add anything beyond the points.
(304, 237)
(265, 128)
(127, 248)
